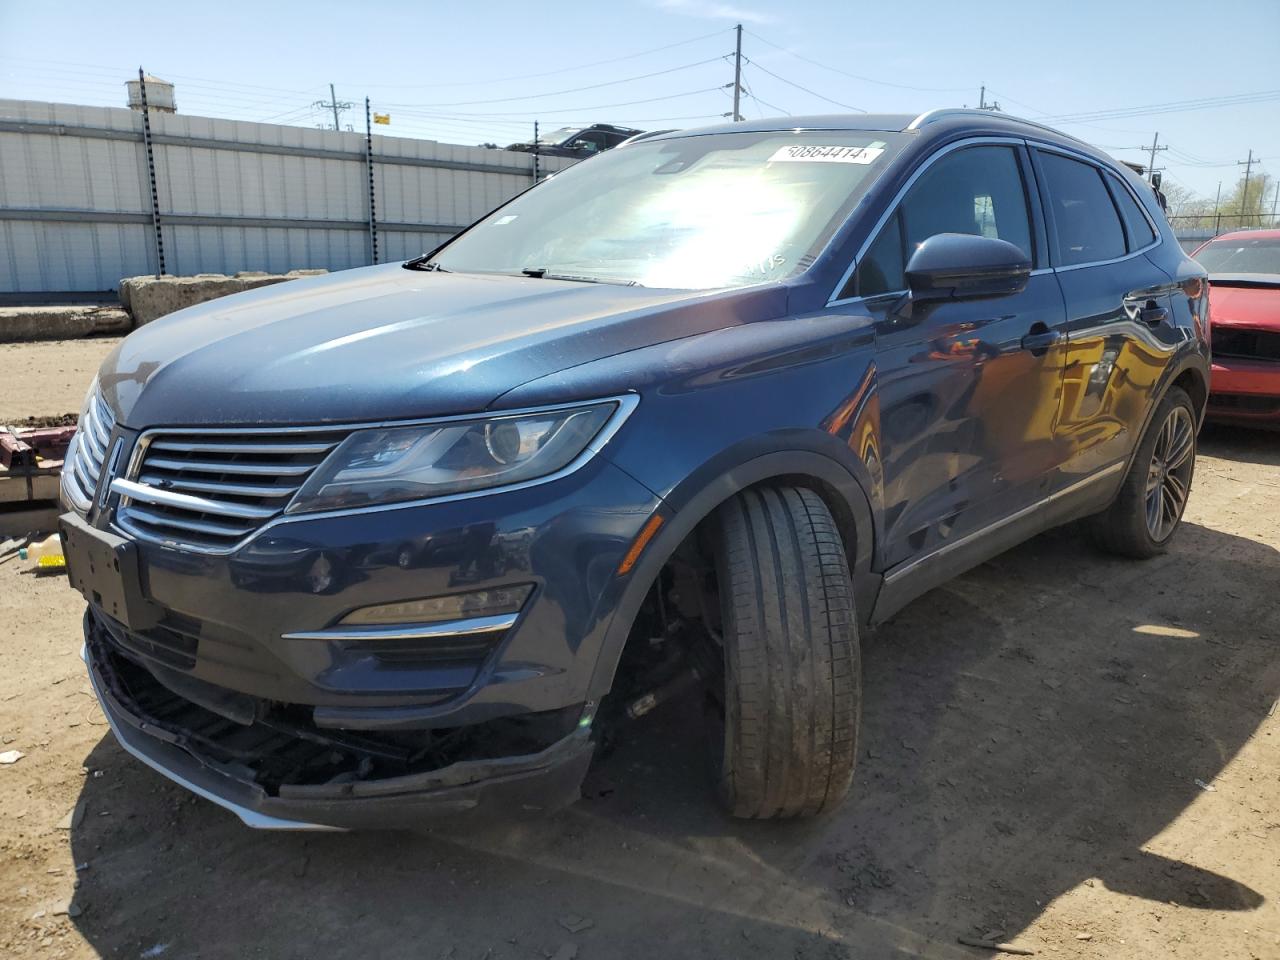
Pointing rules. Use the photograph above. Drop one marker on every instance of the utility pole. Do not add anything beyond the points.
(1217, 211)
(982, 101)
(1275, 199)
(737, 78)
(1244, 196)
(335, 105)
(1151, 170)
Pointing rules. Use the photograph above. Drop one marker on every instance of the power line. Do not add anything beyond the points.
(854, 76)
(563, 110)
(812, 93)
(557, 93)
(1176, 106)
(765, 103)
(547, 73)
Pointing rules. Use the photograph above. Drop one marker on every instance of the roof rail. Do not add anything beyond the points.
(645, 136)
(943, 113)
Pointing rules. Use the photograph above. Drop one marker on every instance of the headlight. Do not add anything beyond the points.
(394, 464)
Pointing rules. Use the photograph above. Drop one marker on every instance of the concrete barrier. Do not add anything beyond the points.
(18, 324)
(147, 298)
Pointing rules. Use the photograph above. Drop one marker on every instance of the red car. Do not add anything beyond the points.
(1244, 309)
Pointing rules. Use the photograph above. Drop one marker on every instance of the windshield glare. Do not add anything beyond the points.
(1241, 255)
(556, 137)
(695, 212)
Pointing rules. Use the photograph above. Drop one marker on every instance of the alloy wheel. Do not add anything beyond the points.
(1169, 475)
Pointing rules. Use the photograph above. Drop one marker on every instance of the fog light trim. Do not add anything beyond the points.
(411, 631)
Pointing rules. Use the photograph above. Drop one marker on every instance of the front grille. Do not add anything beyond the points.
(1248, 344)
(87, 452)
(212, 489)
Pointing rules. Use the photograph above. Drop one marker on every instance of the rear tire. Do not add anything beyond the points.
(792, 685)
(1147, 512)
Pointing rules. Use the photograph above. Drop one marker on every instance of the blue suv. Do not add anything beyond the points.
(411, 540)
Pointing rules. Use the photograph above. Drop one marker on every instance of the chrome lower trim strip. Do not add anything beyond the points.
(422, 631)
(908, 566)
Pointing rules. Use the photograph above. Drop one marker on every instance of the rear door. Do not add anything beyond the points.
(1119, 328)
(967, 390)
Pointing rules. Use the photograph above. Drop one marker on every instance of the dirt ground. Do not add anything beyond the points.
(48, 378)
(1070, 753)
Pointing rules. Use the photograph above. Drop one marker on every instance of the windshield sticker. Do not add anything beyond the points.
(818, 154)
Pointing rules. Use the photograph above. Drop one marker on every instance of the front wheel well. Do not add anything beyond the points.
(684, 591)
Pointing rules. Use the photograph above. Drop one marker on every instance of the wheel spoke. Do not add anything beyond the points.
(1182, 446)
(1177, 489)
(1153, 511)
(1169, 516)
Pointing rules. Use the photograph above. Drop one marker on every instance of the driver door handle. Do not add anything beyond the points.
(1039, 339)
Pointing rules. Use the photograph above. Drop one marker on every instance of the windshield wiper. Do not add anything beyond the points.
(422, 263)
(541, 273)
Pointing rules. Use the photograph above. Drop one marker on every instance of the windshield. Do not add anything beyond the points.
(695, 212)
(557, 136)
(1241, 255)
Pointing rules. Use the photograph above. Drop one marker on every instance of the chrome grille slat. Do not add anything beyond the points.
(86, 453)
(187, 501)
(248, 469)
(211, 489)
(163, 521)
(217, 486)
(260, 448)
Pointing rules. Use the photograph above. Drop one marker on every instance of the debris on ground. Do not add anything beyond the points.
(998, 947)
(11, 756)
(574, 923)
(1208, 787)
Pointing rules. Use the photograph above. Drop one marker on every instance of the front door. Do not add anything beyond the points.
(968, 390)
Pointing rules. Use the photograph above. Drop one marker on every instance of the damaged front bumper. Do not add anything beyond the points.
(279, 773)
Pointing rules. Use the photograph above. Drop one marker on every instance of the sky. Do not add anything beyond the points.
(1114, 73)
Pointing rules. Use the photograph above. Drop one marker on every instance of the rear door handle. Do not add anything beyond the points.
(1040, 339)
(1153, 315)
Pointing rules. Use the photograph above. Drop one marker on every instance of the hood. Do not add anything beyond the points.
(385, 343)
(1249, 304)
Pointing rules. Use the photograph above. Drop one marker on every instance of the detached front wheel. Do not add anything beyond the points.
(792, 679)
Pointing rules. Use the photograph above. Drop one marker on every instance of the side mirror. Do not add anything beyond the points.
(961, 266)
(584, 146)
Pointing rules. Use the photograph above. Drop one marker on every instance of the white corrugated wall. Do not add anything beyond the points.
(75, 196)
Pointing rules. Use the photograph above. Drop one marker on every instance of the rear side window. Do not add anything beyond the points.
(1136, 226)
(1084, 218)
(976, 190)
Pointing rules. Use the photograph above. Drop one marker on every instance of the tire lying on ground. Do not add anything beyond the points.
(792, 679)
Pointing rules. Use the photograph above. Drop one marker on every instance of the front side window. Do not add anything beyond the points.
(1084, 218)
(695, 212)
(975, 190)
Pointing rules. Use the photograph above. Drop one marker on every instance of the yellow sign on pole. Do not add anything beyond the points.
(382, 118)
